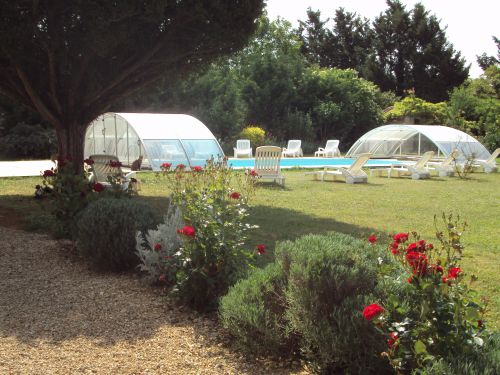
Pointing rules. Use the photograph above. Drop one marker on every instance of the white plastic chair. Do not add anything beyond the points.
(243, 148)
(331, 149)
(353, 174)
(417, 171)
(102, 168)
(267, 163)
(446, 167)
(489, 165)
(293, 149)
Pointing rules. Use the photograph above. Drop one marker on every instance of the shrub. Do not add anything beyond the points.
(28, 141)
(159, 251)
(440, 317)
(214, 205)
(255, 134)
(107, 231)
(330, 278)
(253, 311)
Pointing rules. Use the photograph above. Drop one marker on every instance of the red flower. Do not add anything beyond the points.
(89, 161)
(429, 246)
(166, 165)
(180, 167)
(454, 272)
(411, 247)
(436, 268)
(371, 311)
(261, 249)
(98, 187)
(188, 231)
(401, 237)
(115, 164)
(418, 262)
(392, 340)
(158, 247)
(162, 278)
(49, 173)
(253, 173)
(197, 168)
(410, 279)
(235, 195)
(394, 248)
(372, 239)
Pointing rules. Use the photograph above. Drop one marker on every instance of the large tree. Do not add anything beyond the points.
(70, 60)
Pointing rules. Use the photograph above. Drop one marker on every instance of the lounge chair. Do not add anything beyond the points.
(417, 171)
(489, 165)
(353, 174)
(446, 167)
(107, 168)
(331, 149)
(267, 163)
(293, 149)
(243, 148)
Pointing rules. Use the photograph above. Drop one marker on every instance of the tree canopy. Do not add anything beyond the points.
(69, 60)
(401, 50)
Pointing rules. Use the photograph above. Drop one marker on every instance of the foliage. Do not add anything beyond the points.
(401, 50)
(158, 250)
(485, 61)
(253, 311)
(442, 316)
(127, 46)
(329, 278)
(213, 253)
(308, 300)
(28, 141)
(419, 110)
(255, 134)
(106, 232)
(69, 194)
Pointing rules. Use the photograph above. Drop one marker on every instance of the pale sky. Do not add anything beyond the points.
(470, 24)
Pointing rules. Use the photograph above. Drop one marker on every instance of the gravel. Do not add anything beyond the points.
(57, 316)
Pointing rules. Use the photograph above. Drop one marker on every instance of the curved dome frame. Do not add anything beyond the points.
(158, 138)
(413, 140)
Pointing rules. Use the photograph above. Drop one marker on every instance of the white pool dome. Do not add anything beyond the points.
(158, 138)
(412, 140)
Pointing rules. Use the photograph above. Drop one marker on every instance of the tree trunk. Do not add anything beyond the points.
(70, 144)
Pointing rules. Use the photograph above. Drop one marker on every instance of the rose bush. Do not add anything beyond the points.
(441, 316)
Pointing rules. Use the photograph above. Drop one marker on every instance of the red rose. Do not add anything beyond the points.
(162, 278)
(401, 237)
(371, 311)
(436, 268)
(166, 165)
(253, 173)
(197, 168)
(429, 246)
(394, 248)
(372, 239)
(392, 340)
(89, 161)
(412, 247)
(410, 279)
(188, 231)
(158, 247)
(235, 195)
(115, 164)
(454, 272)
(49, 173)
(418, 262)
(261, 249)
(180, 166)
(98, 187)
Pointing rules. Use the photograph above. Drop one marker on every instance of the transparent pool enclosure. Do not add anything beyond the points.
(158, 138)
(397, 140)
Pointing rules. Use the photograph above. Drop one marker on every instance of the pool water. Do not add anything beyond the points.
(314, 162)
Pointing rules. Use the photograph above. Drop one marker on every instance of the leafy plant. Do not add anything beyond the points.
(106, 231)
(255, 134)
(214, 205)
(441, 317)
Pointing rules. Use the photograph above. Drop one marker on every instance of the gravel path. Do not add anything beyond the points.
(59, 317)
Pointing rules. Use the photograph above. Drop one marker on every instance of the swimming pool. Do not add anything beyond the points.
(314, 162)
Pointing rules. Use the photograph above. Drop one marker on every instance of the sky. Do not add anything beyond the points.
(470, 25)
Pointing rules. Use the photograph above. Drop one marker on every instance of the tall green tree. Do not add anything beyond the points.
(70, 60)
(484, 61)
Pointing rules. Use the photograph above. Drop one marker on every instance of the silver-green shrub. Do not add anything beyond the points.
(159, 249)
(106, 231)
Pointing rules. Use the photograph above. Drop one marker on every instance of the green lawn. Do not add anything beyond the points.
(382, 206)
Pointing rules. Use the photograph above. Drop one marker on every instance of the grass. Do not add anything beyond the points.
(383, 206)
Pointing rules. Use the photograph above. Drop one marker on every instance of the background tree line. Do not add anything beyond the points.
(314, 83)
